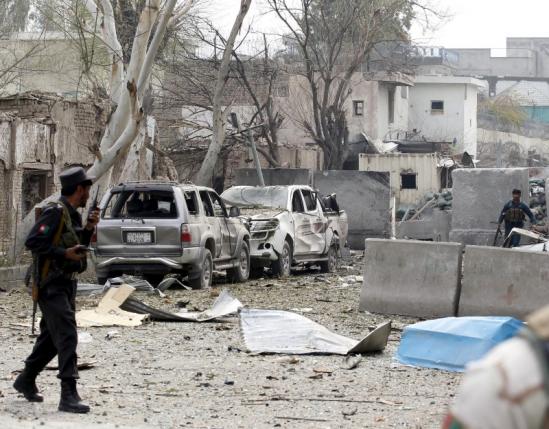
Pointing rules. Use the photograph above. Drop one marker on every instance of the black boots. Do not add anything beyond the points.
(25, 383)
(70, 400)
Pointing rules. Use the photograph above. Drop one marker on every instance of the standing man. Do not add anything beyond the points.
(58, 237)
(514, 213)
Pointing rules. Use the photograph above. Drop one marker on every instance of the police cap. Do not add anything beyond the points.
(75, 176)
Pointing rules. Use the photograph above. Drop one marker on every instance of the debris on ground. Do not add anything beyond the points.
(137, 283)
(224, 305)
(108, 311)
(275, 331)
(451, 343)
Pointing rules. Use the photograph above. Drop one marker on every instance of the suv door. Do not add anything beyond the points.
(301, 224)
(212, 222)
(316, 238)
(220, 212)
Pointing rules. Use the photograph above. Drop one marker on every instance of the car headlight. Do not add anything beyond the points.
(264, 225)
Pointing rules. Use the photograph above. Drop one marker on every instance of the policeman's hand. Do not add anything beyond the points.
(93, 219)
(75, 253)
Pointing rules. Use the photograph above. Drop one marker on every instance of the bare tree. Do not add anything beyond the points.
(333, 40)
(206, 172)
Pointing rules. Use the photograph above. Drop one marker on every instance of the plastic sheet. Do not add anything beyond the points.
(275, 331)
(452, 342)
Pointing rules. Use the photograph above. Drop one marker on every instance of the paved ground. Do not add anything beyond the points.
(170, 375)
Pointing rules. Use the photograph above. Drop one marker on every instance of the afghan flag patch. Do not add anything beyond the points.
(44, 229)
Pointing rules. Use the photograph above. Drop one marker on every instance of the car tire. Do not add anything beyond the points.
(241, 272)
(281, 267)
(330, 265)
(204, 277)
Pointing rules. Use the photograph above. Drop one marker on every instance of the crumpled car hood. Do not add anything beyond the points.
(255, 214)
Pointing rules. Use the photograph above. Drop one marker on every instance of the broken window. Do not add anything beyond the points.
(358, 108)
(297, 203)
(408, 181)
(218, 206)
(207, 203)
(133, 204)
(192, 203)
(437, 106)
(34, 189)
(310, 200)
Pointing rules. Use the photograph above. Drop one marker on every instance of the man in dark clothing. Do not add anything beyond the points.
(58, 236)
(514, 213)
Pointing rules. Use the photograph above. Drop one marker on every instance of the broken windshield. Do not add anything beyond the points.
(268, 196)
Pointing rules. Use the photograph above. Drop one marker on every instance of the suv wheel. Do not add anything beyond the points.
(241, 273)
(204, 279)
(330, 265)
(281, 267)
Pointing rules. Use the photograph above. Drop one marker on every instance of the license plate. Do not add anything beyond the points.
(139, 237)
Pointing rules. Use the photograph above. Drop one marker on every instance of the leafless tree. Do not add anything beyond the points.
(332, 40)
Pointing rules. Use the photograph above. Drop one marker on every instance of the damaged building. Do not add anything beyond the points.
(40, 135)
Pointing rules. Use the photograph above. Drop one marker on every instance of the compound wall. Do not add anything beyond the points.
(412, 278)
(364, 195)
(273, 176)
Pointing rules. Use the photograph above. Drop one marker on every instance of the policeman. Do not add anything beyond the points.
(59, 236)
(514, 213)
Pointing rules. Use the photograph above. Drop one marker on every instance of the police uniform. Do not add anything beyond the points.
(57, 293)
(514, 215)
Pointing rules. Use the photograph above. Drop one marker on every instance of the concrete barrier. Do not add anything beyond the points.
(412, 278)
(478, 197)
(273, 176)
(503, 282)
(12, 277)
(365, 196)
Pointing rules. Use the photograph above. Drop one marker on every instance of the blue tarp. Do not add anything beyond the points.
(452, 342)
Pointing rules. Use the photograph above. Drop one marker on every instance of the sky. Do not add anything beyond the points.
(470, 23)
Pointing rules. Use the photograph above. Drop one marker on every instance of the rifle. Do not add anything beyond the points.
(95, 202)
(498, 233)
(35, 291)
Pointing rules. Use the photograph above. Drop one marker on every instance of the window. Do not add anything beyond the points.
(208, 209)
(34, 188)
(192, 203)
(310, 200)
(297, 203)
(358, 108)
(404, 92)
(437, 107)
(153, 204)
(408, 181)
(218, 206)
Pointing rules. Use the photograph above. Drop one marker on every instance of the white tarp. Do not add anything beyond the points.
(275, 331)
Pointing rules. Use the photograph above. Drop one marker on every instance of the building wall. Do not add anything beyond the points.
(474, 62)
(458, 120)
(424, 165)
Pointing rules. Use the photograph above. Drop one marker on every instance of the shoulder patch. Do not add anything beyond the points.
(44, 229)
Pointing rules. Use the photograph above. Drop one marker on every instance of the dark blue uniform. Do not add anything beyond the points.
(58, 335)
(514, 215)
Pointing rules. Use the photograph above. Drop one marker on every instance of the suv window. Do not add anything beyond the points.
(310, 200)
(208, 209)
(297, 202)
(192, 202)
(218, 206)
(153, 204)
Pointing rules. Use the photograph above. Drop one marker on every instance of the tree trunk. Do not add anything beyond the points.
(206, 172)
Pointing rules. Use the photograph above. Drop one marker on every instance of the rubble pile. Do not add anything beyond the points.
(537, 198)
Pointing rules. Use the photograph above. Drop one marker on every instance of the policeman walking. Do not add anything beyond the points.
(58, 243)
(514, 213)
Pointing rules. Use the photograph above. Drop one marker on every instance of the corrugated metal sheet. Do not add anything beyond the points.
(424, 165)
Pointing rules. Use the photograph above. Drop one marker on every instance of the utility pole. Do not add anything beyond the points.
(251, 143)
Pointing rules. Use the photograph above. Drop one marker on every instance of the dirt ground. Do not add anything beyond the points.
(169, 375)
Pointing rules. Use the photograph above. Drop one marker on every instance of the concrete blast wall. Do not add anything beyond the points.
(412, 278)
(503, 282)
(364, 195)
(273, 176)
(479, 195)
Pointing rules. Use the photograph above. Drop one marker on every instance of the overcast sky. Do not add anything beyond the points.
(471, 23)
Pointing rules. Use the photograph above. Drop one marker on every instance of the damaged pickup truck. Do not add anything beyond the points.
(289, 225)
